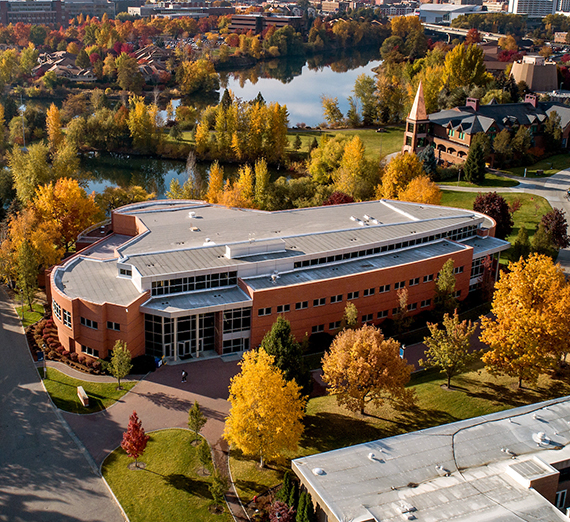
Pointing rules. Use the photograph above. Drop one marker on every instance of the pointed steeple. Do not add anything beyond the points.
(418, 112)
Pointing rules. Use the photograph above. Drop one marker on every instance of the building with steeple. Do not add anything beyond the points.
(417, 125)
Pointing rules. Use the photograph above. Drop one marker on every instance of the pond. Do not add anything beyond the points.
(299, 84)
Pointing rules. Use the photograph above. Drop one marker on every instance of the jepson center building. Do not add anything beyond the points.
(181, 279)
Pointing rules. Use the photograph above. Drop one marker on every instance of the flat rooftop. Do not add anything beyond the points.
(464, 471)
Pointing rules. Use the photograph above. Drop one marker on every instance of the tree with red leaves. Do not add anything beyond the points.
(338, 198)
(496, 207)
(555, 224)
(473, 36)
(281, 512)
(134, 439)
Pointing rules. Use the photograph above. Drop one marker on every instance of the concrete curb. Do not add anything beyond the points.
(234, 487)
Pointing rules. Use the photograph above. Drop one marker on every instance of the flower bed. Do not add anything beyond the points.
(42, 336)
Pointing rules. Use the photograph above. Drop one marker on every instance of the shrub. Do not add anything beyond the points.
(74, 356)
(82, 359)
(60, 350)
(66, 353)
(96, 365)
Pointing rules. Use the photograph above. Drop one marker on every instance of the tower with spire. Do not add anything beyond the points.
(417, 125)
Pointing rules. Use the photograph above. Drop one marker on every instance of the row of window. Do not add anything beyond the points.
(95, 325)
(63, 315)
(237, 320)
(189, 284)
(455, 235)
(349, 296)
(369, 318)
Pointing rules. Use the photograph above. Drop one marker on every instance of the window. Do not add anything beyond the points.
(67, 318)
(281, 309)
(409, 141)
(90, 351)
(235, 345)
(113, 326)
(89, 323)
(412, 306)
(57, 310)
(318, 329)
(189, 284)
(428, 278)
(458, 270)
(425, 303)
(395, 311)
(352, 295)
(334, 326)
(458, 293)
(384, 288)
(368, 318)
(336, 298)
(399, 285)
(369, 291)
(320, 302)
(382, 315)
(237, 320)
(264, 311)
(561, 499)
(302, 305)
(125, 272)
(414, 282)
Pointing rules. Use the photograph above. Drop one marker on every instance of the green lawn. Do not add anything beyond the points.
(30, 317)
(529, 215)
(329, 426)
(550, 166)
(170, 488)
(63, 391)
(376, 143)
(491, 180)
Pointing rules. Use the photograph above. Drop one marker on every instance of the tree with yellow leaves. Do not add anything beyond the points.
(261, 183)
(67, 209)
(363, 367)
(266, 410)
(464, 66)
(29, 170)
(202, 138)
(530, 327)
(215, 183)
(398, 174)
(53, 122)
(26, 226)
(353, 168)
(421, 190)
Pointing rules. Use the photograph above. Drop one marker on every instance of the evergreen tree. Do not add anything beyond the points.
(521, 246)
(297, 142)
(82, 59)
(313, 145)
(175, 132)
(226, 100)
(301, 507)
(429, 162)
(204, 454)
(542, 242)
(474, 167)
(280, 343)
(285, 492)
(294, 495)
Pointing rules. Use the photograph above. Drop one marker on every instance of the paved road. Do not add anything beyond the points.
(43, 474)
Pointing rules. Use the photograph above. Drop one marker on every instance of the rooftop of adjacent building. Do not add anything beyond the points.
(474, 470)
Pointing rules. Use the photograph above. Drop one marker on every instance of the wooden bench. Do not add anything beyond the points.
(83, 396)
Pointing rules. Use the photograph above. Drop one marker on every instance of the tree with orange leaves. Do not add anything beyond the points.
(134, 439)
(421, 190)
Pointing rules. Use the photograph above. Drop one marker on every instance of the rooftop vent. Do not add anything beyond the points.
(541, 438)
(191, 214)
(318, 471)
(353, 218)
(361, 223)
(509, 452)
(366, 217)
(376, 222)
(274, 277)
(442, 472)
(372, 457)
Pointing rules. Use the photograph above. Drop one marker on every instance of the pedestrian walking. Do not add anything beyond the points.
(184, 375)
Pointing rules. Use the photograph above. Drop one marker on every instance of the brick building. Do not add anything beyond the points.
(32, 12)
(450, 131)
(182, 279)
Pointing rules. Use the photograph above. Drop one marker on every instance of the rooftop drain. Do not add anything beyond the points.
(318, 471)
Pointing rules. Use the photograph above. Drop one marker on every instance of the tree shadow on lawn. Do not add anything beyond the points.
(421, 418)
(195, 487)
(513, 396)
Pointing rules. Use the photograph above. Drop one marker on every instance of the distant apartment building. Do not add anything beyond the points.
(258, 23)
(560, 37)
(96, 8)
(533, 8)
(445, 13)
(496, 7)
(32, 12)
